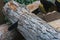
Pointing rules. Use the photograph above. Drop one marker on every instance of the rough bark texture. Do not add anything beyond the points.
(29, 25)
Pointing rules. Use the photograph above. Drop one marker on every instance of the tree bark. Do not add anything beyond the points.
(29, 25)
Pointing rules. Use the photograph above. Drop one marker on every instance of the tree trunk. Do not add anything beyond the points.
(29, 25)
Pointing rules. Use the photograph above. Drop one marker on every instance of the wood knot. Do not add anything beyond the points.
(12, 6)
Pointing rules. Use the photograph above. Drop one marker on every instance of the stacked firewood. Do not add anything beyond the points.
(29, 25)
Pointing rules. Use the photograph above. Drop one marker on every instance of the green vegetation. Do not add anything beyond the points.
(26, 2)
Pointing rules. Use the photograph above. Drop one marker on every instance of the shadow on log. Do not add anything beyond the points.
(29, 25)
(9, 35)
(5, 34)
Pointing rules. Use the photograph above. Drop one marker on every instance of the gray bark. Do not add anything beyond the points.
(29, 25)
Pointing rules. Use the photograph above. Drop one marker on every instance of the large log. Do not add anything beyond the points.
(29, 25)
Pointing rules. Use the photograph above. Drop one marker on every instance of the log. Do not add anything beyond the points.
(29, 25)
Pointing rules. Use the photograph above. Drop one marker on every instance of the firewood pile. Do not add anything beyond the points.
(29, 25)
(22, 24)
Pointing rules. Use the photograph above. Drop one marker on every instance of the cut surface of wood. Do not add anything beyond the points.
(55, 24)
(33, 6)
